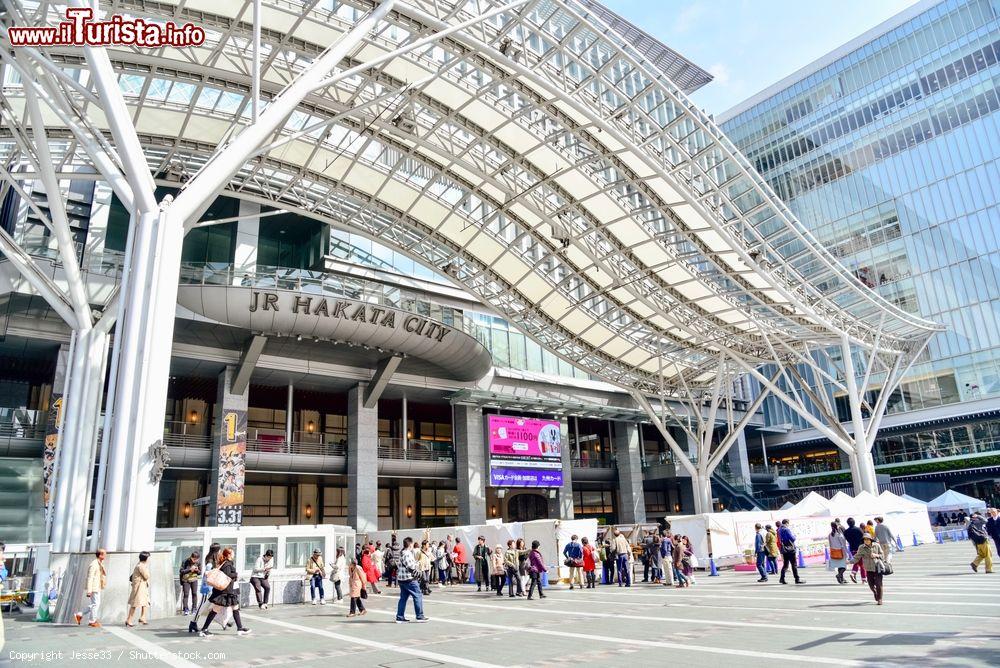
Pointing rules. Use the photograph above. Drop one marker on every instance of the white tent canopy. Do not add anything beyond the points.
(733, 533)
(810, 505)
(914, 499)
(952, 500)
(895, 503)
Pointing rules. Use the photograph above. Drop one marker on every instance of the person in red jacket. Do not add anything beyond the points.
(589, 564)
(368, 566)
(461, 559)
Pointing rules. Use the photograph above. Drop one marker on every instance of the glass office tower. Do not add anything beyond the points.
(889, 149)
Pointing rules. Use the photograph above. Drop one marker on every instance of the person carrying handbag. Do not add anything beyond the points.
(316, 572)
(339, 572)
(573, 553)
(871, 556)
(223, 596)
(838, 551)
(356, 589)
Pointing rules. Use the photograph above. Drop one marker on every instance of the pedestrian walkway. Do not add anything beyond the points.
(937, 612)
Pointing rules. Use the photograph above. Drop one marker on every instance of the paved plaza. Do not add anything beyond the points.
(937, 612)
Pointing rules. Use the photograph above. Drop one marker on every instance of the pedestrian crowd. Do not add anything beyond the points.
(866, 548)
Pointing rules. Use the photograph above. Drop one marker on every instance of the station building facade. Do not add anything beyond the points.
(888, 148)
(296, 323)
(364, 380)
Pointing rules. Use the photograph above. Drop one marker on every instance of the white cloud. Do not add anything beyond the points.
(721, 74)
(689, 17)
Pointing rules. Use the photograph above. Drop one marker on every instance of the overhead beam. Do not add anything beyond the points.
(383, 373)
(248, 360)
(46, 287)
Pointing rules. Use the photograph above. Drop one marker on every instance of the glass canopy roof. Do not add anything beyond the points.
(542, 158)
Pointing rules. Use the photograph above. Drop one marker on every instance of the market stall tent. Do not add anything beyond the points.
(952, 500)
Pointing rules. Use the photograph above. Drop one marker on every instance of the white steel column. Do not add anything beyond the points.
(862, 464)
(146, 336)
(149, 292)
(78, 439)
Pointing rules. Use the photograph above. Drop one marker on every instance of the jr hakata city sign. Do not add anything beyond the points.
(348, 310)
(525, 452)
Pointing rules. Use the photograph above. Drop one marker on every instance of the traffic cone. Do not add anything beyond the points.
(802, 561)
(899, 543)
(472, 575)
(545, 580)
(915, 542)
(713, 572)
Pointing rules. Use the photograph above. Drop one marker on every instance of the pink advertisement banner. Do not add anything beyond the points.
(524, 437)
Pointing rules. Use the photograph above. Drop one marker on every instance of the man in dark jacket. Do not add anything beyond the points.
(993, 527)
(855, 537)
(980, 538)
(760, 552)
(481, 556)
(788, 553)
(647, 556)
(391, 560)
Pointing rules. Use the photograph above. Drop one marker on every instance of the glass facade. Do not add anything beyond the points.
(510, 348)
(891, 156)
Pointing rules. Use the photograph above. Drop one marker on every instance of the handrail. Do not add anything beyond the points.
(411, 454)
(592, 463)
(15, 430)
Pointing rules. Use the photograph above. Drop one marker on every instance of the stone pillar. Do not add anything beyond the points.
(632, 504)
(362, 462)
(470, 464)
(227, 403)
(561, 507)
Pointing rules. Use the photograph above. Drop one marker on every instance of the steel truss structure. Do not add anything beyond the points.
(524, 148)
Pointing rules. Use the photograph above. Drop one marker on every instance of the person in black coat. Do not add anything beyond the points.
(225, 598)
(855, 537)
(993, 527)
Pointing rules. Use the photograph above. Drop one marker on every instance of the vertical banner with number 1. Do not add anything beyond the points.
(232, 468)
(52, 426)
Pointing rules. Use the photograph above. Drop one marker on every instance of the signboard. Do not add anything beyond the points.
(232, 469)
(525, 452)
(52, 425)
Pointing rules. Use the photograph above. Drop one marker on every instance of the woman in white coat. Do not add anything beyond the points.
(339, 572)
(838, 551)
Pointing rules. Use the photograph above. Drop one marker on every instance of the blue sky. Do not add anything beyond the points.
(750, 44)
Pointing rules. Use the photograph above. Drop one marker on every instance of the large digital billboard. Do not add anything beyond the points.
(525, 452)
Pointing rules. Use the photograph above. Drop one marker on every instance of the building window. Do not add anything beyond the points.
(334, 505)
(385, 506)
(599, 503)
(298, 550)
(438, 507)
(267, 501)
(255, 547)
(656, 503)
